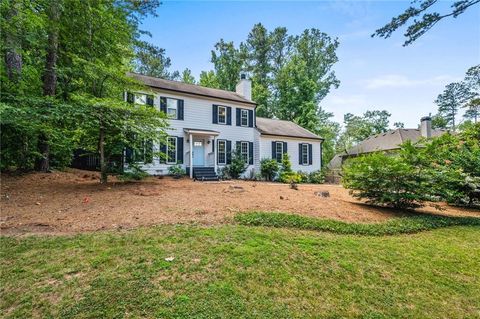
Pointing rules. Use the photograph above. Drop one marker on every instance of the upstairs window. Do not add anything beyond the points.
(222, 115)
(244, 117)
(172, 108)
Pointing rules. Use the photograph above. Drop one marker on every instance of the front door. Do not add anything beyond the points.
(198, 153)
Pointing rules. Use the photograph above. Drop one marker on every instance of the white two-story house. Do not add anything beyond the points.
(207, 125)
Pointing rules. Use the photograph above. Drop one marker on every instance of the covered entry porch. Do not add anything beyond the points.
(202, 151)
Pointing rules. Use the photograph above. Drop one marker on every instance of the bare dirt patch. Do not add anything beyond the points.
(74, 201)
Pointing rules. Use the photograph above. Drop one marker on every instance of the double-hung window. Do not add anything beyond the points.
(244, 117)
(222, 152)
(304, 154)
(172, 108)
(222, 115)
(278, 151)
(171, 150)
(244, 151)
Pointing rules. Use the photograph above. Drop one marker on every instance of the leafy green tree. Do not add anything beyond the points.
(357, 128)
(419, 27)
(450, 101)
(472, 82)
(227, 62)
(209, 79)
(187, 77)
(398, 125)
(238, 165)
(152, 61)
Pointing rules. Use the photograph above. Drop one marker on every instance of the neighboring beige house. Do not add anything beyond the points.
(388, 142)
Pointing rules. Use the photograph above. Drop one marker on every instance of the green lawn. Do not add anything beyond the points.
(236, 271)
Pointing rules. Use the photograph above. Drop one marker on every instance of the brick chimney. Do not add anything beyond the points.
(244, 87)
(426, 126)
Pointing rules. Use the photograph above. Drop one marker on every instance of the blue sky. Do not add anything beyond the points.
(374, 73)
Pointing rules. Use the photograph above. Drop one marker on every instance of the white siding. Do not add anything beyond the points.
(292, 150)
(198, 115)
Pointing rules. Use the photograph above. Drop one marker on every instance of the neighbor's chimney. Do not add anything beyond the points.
(426, 126)
(244, 87)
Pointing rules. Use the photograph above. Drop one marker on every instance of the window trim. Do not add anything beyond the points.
(276, 151)
(248, 151)
(305, 148)
(224, 152)
(167, 149)
(218, 115)
(241, 117)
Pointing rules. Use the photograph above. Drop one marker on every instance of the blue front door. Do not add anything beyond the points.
(198, 153)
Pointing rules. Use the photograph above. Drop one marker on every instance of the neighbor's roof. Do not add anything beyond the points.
(283, 128)
(189, 88)
(389, 140)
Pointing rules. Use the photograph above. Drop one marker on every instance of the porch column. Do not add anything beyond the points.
(191, 155)
(215, 153)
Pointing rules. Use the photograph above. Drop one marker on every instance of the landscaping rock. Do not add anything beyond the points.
(323, 194)
(234, 189)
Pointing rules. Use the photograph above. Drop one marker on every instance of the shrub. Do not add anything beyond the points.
(176, 171)
(385, 180)
(303, 176)
(290, 177)
(317, 177)
(238, 165)
(268, 168)
(134, 173)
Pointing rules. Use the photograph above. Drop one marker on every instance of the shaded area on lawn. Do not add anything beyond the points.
(403, 225)
(235, 271)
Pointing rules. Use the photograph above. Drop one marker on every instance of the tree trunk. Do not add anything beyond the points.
(101, 148)
(13, 57)
(49, 78)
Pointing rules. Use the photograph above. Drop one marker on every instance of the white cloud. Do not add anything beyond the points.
(402, 81)
(345, 100)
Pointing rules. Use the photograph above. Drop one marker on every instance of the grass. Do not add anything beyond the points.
(403, 225)
(235, 271)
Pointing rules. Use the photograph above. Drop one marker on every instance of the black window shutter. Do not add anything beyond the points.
(215, 114)
(238, 111)
(310, 157)
(179, 150)
(285, 150)
(180, 110)
(229, 152)
(128, 154)
(148, 151)
(229, 115)
(250, 153)
(163, 104)
(274, 153)
(150, 100)
(130, 97)
(250, 118)
(213, 146)
(300, 158)
(238, 146)
(163, 151)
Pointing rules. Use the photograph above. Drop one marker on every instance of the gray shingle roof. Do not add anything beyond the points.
(283, 128)
(189, 88)
(389, 140)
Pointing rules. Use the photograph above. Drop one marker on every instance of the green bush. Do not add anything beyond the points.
(269, 168)
(176, 170)
(303, 176)
(237, 167)
(384, 180)
(317, 177)
(133, 173)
